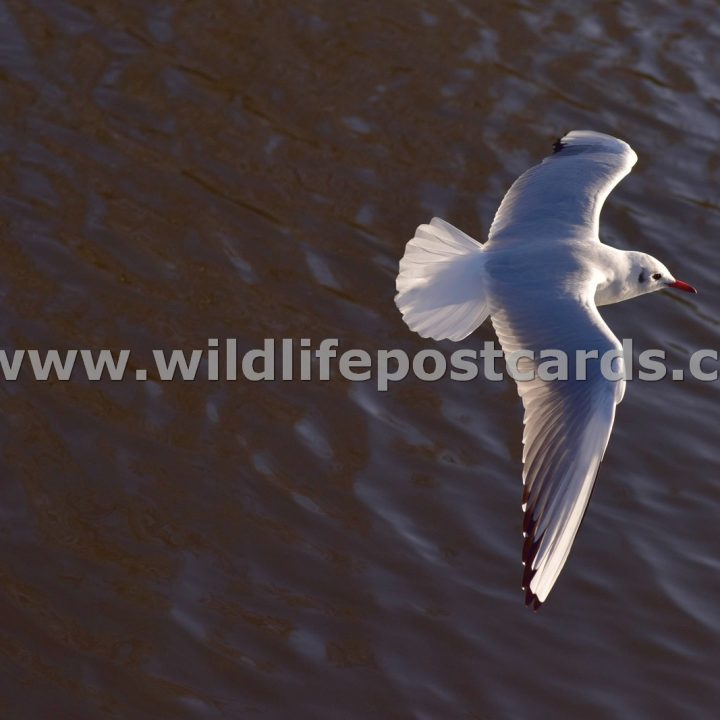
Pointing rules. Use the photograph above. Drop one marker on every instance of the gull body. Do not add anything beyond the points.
(540, 277)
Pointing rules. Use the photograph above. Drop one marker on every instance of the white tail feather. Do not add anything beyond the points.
(441, 285)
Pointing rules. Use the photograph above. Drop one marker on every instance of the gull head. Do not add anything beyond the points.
(647, 274)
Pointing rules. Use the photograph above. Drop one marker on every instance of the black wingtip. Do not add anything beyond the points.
(529, 548)
(528, 575)
(531, 599)
(558, 145)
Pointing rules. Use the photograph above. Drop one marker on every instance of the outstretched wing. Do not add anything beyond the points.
(562, 197)
(567, 421)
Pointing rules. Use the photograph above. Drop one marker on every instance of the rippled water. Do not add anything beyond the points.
(178, 171)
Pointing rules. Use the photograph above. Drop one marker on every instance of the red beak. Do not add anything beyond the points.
(680, 285)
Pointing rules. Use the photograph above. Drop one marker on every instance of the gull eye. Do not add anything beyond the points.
(656, 276)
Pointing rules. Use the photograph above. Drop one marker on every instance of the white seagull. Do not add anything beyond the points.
(540, 278)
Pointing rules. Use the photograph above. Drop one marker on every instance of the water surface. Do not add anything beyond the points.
(177, 171)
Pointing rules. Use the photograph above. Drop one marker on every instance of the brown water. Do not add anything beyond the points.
(178, 171)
